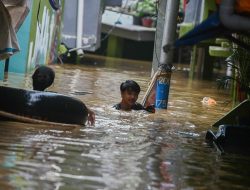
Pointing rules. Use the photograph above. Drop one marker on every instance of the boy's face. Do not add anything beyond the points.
(129, 97)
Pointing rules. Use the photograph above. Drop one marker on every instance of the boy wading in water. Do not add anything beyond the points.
(129, 93)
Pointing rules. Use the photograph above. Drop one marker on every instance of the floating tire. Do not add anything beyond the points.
(49, 107)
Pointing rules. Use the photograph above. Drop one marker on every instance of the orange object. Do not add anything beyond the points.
(208, 101)
(243, 6)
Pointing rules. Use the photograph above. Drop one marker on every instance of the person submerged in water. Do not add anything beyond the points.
(129, 93)
(43, 77)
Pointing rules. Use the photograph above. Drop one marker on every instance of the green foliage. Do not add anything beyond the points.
(146, 8)
(241, 59)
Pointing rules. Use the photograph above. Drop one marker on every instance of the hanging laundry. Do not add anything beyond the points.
(8, 39)
(18, 10)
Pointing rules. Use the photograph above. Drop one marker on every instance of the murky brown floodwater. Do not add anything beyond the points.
(132, 150)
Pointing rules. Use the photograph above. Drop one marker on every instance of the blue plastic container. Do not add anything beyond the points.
(162, 91)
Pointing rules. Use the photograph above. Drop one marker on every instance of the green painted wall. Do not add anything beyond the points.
(45, 34)
(18, 62)
(35, 13)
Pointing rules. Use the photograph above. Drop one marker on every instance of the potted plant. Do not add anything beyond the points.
(239, 61)
(146, 9)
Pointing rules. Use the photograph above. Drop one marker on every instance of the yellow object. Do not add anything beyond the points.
(218, 51)
(62, 49)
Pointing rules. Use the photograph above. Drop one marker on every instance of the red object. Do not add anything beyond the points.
(184, 5)
(218, 2)
(241, 94)
(147, 21)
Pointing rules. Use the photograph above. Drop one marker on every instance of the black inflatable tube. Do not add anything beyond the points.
(44, 106)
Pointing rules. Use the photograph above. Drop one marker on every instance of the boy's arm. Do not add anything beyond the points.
(150, 108)
(91, 117)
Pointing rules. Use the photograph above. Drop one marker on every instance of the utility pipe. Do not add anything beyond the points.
(166, 58)
(169, 30)
(79, 32)
(232, 20)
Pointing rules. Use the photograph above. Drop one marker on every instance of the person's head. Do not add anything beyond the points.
(129, 92)
(42, 78)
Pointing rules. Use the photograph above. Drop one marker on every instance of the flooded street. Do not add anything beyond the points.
(124, 150)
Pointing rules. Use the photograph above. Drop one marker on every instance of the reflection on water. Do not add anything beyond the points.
(125, 150)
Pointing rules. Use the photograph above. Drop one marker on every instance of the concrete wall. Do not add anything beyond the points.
(91, 24)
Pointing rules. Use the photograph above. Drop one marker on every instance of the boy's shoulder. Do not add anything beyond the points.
(117, 106)
(137, 106)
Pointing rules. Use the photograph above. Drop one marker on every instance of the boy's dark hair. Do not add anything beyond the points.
(42, 78)
(130, 85)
